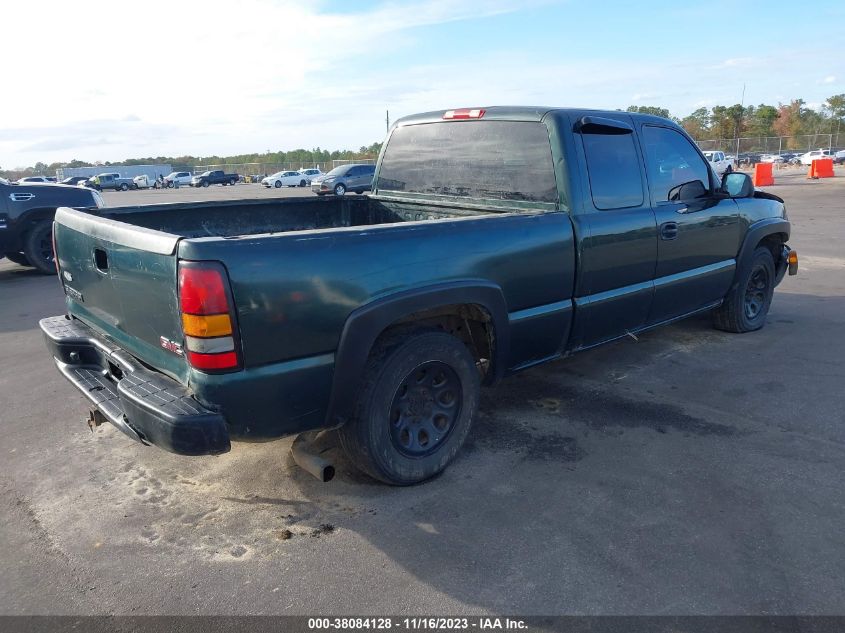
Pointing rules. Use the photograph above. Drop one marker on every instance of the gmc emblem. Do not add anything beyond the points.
(170, 346)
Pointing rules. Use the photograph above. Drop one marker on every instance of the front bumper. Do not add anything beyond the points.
(788, 261)
(146, 405)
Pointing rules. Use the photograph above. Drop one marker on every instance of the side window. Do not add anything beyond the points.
(353, 171)
(675, 170)
(614, 170)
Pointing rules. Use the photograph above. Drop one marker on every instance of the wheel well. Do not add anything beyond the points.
(773, 242)
(33, 217)
(471, 323)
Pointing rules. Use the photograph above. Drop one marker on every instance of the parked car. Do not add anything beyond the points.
(719, 162)
(285, 179)
(816, 154)
(310, 174)
(26, 219)
(772, 158)
(749, 158)
(73, 180)
(145, 182)
(214, 177)
(177, 178)
(35, 179)
(384, 323)
(110, 180)
(357, 178)
(839, 157)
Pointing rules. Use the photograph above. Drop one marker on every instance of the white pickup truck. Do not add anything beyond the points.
(721, 163)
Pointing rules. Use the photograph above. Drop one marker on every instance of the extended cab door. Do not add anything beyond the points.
(616, 231)
(698, 229)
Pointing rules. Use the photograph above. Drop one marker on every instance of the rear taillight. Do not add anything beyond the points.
(208, 323)
(55, 254)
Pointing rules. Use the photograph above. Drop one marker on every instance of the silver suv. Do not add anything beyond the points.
(357, 178)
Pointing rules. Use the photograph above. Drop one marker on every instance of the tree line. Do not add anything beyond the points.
(298, 157)
(719, 122)
(738, 121)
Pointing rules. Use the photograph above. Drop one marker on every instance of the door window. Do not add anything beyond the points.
(676, 171)
(614, 170)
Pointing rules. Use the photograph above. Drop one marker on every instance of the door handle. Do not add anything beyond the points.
(668, 230)
(21, 197)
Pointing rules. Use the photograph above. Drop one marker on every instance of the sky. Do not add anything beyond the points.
(112, 80)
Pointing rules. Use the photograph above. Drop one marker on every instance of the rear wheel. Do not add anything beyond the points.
(747, 304)
(124, 186)
(18, 258)
(232, 182)
(421, 390)
(38, 247)
(340, 189)
(302, 183)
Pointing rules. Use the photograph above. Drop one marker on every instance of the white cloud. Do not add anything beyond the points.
(829, 79)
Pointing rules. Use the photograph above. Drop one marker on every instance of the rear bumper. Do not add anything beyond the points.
(146, 405)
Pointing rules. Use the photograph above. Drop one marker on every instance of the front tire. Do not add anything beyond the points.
(420, 392)
(205, 183)
(278, 184)
(38, 247)
(340, 189)
(301, 183)
(747, 304)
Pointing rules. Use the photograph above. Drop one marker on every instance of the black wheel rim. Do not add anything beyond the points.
(425, 409)
(755, 292)
(45, 246)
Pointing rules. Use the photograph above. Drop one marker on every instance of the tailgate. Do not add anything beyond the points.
(121, 280)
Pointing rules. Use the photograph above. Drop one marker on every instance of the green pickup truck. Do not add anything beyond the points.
(494, 239)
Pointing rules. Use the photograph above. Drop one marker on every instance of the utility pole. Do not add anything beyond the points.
(387, 121)
(739, 121)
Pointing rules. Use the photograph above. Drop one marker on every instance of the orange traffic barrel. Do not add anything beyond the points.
(763, 175)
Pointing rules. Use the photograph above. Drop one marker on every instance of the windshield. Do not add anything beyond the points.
(173, 174)
(3, 181)
(338, 171)
(205, 173)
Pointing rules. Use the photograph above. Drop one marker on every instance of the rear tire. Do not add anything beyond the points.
(301, 183)
(124, 187)
(38, 247)
(747, 304)
(18, 258)
(232, 183)
(420, 392)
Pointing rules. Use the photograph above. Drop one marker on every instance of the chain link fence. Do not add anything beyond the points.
(265, 169)
(774, 144)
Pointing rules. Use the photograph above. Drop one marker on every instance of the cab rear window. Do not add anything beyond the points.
(491, 160)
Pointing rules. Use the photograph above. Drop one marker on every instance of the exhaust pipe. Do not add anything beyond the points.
(307, 458)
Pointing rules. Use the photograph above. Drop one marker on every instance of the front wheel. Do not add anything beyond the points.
(301, 183)
(205, 183)
(38, 247)
(747, 304)
(278, 184)
(420, 392)
(340, 189)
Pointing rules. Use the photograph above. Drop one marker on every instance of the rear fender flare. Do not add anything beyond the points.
(367, 323)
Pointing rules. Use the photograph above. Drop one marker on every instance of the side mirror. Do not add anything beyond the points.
(737, 185)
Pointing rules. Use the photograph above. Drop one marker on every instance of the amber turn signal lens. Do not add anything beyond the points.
(793, 257)
(208, 325)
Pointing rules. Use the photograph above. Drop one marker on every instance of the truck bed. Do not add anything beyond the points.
(239, 218)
